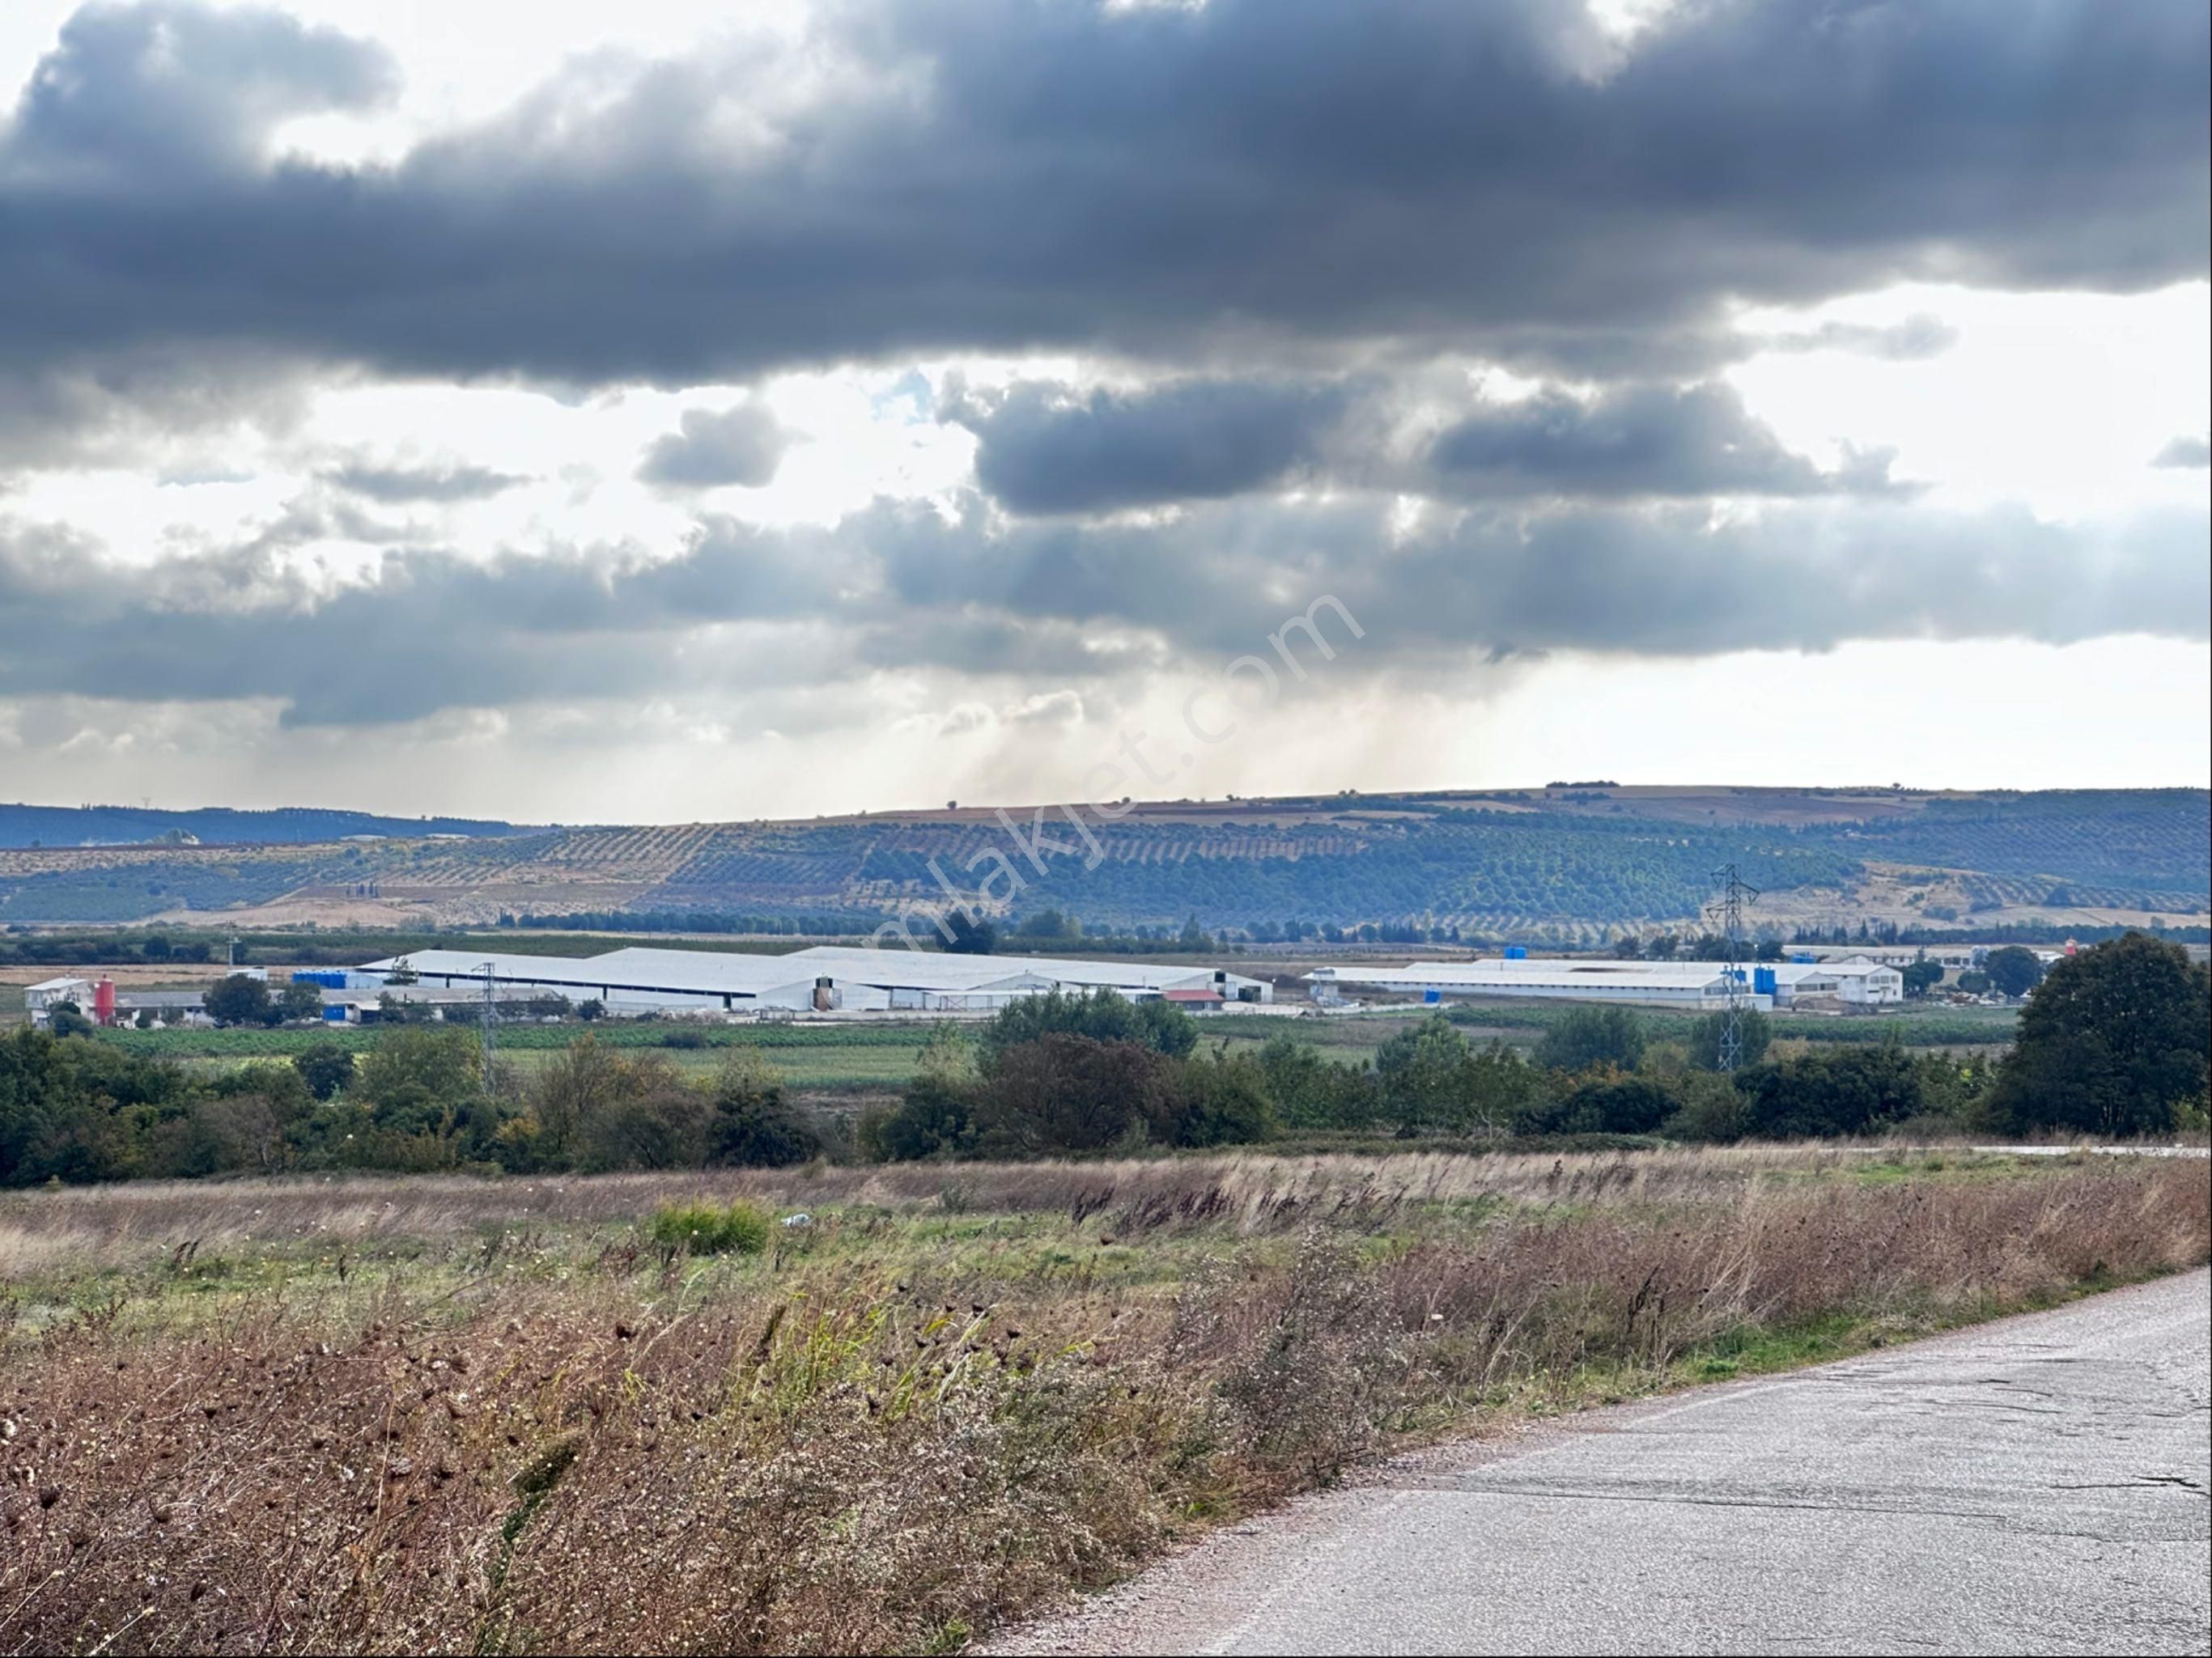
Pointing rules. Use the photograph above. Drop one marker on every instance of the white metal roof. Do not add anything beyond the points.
(935, 970)
(1492, 973)
(722, 973)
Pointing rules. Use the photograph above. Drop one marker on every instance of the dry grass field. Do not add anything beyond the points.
(444, 1415)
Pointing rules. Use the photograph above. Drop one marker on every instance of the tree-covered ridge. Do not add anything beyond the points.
(1567, 867)
(73, 826)
(2130, 840)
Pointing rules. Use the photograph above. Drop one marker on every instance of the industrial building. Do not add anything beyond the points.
(823, 979)
(1694, 986)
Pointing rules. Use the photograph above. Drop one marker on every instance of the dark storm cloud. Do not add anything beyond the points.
(741, 445)
(1046, 449)
(1158, 180)
(1041, 450)
(1651, 440)
(901, 585)
(395, 485)
(2185, 453)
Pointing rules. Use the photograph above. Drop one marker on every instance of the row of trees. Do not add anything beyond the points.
(2114, 1042)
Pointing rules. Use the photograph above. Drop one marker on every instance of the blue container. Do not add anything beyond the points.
(334, 1013)
(1433, 995)
(1516, 952)
(328, 978)
(1762, 980)
(1803, 959)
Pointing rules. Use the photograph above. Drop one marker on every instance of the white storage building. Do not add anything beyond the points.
(1696, 986)
(823, 979)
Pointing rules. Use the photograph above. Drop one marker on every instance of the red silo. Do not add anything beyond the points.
(103, 1001)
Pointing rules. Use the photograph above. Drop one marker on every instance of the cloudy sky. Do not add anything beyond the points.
(672, 411)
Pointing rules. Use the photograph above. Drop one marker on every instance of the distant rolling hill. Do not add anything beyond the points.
(1566, 863)
(101, 826)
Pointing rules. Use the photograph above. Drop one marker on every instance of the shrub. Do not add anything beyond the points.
(1104, 1016)
(1217, 1102)
(707, 1228)
(1603, 1102)
(1860, 1091)
(1070, 1093)
(934, 1120)
(326, 1068)
(754, 1124)
(1592, 1036)
(1754, 1032)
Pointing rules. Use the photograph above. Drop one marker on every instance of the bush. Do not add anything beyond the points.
(1217, 1102)
(753, 1125)
(1070, 1093)
(934, 1120)
(326, 1068)
(1860, 1091)
(705, 1229)
(1754, 1033)
(1601, 1102)
(1590, 1036)
(1104, 1016)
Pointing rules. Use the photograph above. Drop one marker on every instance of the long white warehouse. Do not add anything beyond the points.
(1696, 985)
(822, 979)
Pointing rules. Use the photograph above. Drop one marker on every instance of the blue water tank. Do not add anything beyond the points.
(329, 978)
(1762, 980)
(1516, 952)
(1433, 995)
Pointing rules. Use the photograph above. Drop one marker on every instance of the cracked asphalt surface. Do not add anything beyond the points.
(2037, 1484)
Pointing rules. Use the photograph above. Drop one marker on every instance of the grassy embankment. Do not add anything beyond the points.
(438, 1414)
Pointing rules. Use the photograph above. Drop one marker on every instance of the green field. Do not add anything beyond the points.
(877, 1056)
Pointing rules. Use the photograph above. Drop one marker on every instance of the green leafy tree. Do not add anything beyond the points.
(1586, 1036)
(1066, 1092)
(326, 1068)
(421, 1082)
(301, 1000)
(1103, 1015)
(2013, 969)
(1420, 1069)
(240, 999)
(970, 936)
(1602, 1100)
(1861, 1089)
(754, 1123)
(1754, 1031)
(68, 1019)
(1217, 1100)
(1921, 977)
(2113, 1041)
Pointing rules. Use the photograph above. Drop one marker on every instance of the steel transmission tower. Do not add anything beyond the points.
(1728, 910)
(487, 1025)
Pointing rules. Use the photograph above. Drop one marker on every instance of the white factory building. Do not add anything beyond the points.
(823, 979)
(1695, 985)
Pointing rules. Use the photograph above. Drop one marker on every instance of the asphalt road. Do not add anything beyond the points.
(2037, 1485)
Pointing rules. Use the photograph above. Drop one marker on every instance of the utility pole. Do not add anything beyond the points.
(1728, 911)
